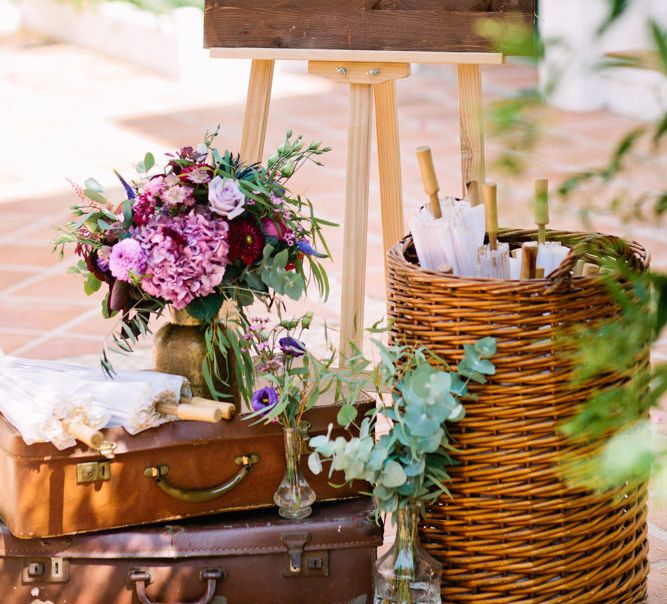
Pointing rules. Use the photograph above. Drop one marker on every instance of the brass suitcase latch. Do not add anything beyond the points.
(93, 471)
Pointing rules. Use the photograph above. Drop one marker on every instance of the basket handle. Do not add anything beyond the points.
(141, 578)
(159, 471)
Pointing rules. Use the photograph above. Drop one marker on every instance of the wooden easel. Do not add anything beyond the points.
(371, 76)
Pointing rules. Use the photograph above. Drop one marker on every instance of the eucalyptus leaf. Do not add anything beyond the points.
(205, 309)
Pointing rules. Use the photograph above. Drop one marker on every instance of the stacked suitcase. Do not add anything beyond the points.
(174, 517)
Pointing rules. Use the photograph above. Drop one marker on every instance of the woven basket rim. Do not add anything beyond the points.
(635, 252)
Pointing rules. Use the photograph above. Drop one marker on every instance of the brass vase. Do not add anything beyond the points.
(179, 348)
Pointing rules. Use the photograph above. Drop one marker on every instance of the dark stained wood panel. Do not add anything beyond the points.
(399, 25)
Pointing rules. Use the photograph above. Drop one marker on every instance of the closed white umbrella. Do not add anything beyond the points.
(493, 259)
(135, 400)
(446, 233)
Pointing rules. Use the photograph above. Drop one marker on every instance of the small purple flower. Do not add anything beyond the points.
(264, 399)
(103, 254)
(292, 347)
(126, 257)
(305, 247)
(129, 191)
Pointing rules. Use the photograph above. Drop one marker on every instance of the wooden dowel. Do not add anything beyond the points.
(228, 410)
(473, 193)
(528, 260)
(541, 209)
(191, 412)
(83, 433)
(429, 178)
(491, 207)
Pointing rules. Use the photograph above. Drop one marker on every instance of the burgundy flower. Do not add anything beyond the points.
(143, 209)
(246, 241)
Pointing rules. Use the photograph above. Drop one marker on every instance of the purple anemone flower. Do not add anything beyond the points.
(305, 247)
(264, 399)
(292, 347)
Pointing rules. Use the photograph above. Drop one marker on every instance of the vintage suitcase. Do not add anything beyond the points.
(178, 470)
(239, 558)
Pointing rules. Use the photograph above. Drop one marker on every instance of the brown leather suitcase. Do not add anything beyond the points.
(178, 470)
(239, 558)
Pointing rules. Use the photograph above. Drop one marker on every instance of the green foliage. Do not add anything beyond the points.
(409, 464)
(617, 346)
(206, 309)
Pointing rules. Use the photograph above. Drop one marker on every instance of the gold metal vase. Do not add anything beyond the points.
(180, 348)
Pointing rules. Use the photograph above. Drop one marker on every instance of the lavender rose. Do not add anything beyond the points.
(225, 197)
(126, 257)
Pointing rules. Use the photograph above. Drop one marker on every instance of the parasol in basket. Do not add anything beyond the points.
(493, 259)
(447, 234)
(550, 254)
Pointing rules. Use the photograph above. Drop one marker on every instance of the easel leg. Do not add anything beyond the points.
(256, 111)
(472, 125)
(356, 218)
(389, 160)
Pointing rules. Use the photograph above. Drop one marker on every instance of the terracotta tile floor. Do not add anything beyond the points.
(68, 112)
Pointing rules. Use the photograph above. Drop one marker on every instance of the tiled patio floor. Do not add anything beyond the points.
(72, 113)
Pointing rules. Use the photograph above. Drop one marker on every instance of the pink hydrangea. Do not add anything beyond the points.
(126, 258)
(186, 256)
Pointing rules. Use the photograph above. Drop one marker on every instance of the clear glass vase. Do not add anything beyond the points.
(294, 495)
(407, 574)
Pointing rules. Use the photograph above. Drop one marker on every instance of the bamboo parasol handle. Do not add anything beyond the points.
(191, 412)
(529, 260)
(228, 410)
(542, 208)
(83, 433)
(430, 179)
(491, 214)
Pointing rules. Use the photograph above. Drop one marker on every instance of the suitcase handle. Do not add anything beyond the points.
(141, 578)
(158, 473)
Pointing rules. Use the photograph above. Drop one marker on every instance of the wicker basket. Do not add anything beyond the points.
(513, 531)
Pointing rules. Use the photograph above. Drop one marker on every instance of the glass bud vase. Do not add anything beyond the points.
(294, 495)
(407, 574)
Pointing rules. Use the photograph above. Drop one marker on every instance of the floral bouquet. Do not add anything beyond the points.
(204, 229)
(294, 379)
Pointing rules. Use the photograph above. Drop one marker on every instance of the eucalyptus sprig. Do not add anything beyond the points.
(408, 465)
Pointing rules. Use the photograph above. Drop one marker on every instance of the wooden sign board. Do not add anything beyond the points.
(365, 25)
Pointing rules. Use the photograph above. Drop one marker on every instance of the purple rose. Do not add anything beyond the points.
(292, 347)
(225, 197)
(264, 399)
(126, 257)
